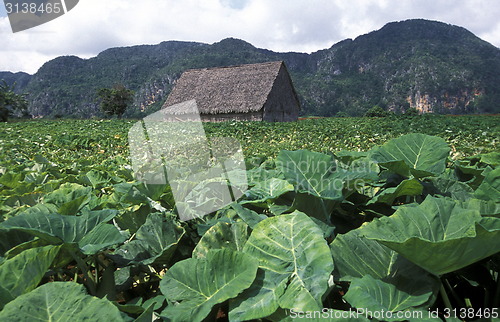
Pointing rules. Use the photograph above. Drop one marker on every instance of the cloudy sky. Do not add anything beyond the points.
(279, 25)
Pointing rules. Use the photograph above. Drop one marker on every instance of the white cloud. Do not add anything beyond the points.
(280, 25)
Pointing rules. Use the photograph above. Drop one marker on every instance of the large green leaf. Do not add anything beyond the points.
(485, 208)
(316, 183)
(348, 157)
(405, 188)
(10, 239)
(12, 180)
(267, 190)
(23, 273)
(133, 217)
(250, 217)
(131, 193)
(154, 242)
(470, 172)
(37, 210)
(356, 256)
(261, 299)
(260, 174)
(492, 158)
(221, 236)
(97, 179)
(199, 284)
(490, 187)
(99, 238)
(374, 295)
(438, 235)
(452, 188)
(69, 198)
(295, 265)
(311, 172)
(90, 230)
(414, 154)
(60, 301)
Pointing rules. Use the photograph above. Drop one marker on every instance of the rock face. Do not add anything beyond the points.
(461, 102)
(428, 65)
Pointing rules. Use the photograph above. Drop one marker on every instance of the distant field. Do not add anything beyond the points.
(468, 135)
(92, 140)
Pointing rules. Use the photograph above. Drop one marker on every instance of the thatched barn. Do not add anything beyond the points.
(246, 92)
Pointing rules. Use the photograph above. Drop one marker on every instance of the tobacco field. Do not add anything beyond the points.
(397, 215)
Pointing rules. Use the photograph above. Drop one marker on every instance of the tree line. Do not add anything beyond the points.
(112, 101)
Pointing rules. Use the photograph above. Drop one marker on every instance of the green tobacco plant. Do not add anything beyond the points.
(199, 284)
(289, 276)
(341, 214)
(154, 243)
(72, 303)
(438, 235)
(30, 267)
(415, 155)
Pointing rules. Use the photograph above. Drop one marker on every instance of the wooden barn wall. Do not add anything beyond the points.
(281, 105)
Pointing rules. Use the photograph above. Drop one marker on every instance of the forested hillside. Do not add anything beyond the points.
(432, 66)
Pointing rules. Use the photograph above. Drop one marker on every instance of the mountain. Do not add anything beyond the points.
(429, 65)
(20, 79)
(432, 66)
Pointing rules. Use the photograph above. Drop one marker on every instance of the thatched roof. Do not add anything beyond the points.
(233, 89)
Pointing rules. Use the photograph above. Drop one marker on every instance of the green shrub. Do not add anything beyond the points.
(11, 104)
(376, 111)
(411, 112)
